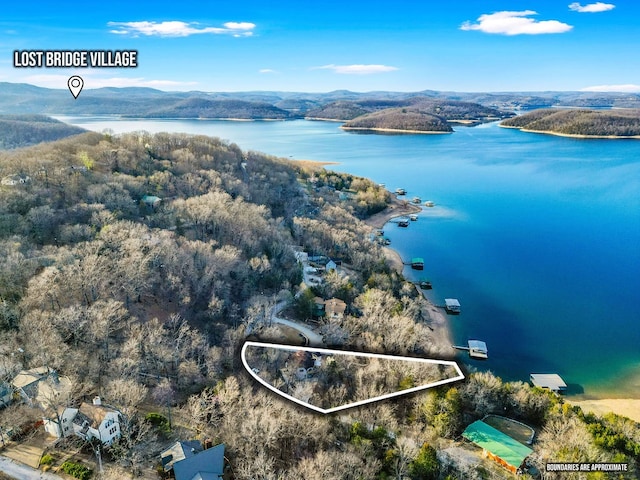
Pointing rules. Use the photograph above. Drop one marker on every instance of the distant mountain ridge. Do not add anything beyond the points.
(338, 105)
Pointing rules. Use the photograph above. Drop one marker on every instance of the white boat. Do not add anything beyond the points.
(429, 203)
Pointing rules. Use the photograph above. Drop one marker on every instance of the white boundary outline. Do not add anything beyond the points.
(354, 354)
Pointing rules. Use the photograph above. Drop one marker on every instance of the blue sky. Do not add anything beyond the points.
(509, 45)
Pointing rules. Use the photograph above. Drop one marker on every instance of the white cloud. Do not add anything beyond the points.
(357, 69)
(90, 81)
(627, 88)
(267, 70)
(515, 23)
(179, 29)
(592, 7)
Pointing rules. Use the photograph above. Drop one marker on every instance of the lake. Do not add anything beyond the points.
(538, 236)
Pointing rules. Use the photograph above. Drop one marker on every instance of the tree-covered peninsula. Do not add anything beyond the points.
(579, 122)
(409, 120)
(24, 130)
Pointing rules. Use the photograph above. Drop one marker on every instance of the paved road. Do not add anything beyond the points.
(315, 340)
(23, 472)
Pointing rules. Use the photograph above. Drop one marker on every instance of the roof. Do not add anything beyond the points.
(552, 381)
(417, 260)
(497, 443)
(335, 306)
(451, 302)
(478, 345)
(27, 377)
(53, 389)
(178, 452)
(93, 414)
(206, 464)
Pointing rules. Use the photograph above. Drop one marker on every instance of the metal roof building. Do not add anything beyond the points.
(498, 446)
(552, 381)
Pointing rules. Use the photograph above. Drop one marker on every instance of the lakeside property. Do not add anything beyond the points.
(572, 239)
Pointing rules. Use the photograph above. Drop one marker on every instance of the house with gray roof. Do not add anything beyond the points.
(190, 462)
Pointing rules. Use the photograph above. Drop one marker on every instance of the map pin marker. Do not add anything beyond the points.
(75, 85)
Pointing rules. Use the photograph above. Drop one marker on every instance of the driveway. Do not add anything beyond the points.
(315, 339)
(23, 472)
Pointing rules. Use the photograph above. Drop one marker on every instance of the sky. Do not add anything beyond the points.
(465, 46)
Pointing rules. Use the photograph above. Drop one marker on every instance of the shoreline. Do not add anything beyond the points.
(626, 407)
(395, 130)
(320, 119)
(397, 208)
(443, 335)
(311, 163)
(438, 324)
(574, 135)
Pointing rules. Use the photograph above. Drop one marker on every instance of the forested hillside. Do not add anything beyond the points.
(449, 110)
(24, 130)
(207, 108)
(399, 119)
(614, 123)
(137, 266)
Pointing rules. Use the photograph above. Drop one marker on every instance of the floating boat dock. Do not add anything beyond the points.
(417, 263)
(476, 349)
(452, 306)
(550, 381)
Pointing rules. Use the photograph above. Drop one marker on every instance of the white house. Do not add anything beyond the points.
(60, 425)
(330, 266)
(97, 421)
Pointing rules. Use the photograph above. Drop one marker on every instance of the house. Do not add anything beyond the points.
(26, 382)
(335, 308)
(178, 452)
(189, 461)
(52, 390)
(331, 266)
(97, 421)
(497, 446)
(59, 423)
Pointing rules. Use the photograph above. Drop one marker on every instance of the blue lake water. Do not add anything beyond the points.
(537, 236)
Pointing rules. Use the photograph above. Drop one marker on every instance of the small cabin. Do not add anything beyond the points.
(417, 263)
(550, 381)
(452, 305)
